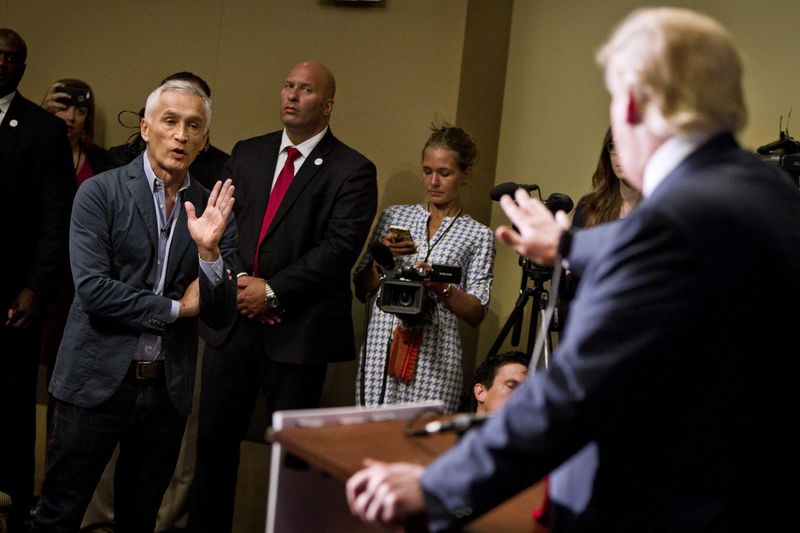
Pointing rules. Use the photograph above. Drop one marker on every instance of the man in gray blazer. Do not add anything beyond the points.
(686, 386)
(149, 250)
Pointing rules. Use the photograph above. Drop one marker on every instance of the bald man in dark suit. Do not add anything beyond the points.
(294, 281)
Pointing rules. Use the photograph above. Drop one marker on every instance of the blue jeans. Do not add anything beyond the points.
(141, 418)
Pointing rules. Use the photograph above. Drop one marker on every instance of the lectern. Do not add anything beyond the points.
(314, 451)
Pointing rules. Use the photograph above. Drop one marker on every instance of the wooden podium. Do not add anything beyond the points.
(334, 448)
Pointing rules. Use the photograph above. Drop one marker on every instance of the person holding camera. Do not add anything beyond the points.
(73, 101)
(409, 359)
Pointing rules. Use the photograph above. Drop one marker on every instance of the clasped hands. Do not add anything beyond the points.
(251, 301)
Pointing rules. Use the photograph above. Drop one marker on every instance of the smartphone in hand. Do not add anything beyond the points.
(403, 234)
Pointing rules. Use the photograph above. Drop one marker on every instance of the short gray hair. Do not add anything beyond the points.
(178, 85)
(682, 66)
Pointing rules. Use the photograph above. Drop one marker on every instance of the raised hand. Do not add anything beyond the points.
(51, 102)
(538, 231)
(207, 230)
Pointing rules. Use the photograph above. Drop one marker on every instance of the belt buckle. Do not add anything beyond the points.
(146, 370)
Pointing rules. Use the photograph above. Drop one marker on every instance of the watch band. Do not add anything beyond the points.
(270, 298)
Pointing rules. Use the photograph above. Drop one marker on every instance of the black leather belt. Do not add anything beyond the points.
(146, 370)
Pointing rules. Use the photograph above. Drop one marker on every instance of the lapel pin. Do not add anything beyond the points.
(318, 161)
(13, 123)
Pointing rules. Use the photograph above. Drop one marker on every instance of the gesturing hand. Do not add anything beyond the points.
(207, 230)
(538, 232)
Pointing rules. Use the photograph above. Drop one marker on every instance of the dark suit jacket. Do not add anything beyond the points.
(679, 360)
(112, 251)
(312, 243)
(38, 183)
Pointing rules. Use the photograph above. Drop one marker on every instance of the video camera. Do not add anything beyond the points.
(402, 291)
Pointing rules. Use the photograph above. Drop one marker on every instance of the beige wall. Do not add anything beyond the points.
(555, 108)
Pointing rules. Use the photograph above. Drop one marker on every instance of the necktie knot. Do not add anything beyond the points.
(292, 153)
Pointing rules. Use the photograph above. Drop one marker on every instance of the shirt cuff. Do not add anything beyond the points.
(214, 270)
(174, 311)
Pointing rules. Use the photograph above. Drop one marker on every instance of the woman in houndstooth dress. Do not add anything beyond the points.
(442, 234)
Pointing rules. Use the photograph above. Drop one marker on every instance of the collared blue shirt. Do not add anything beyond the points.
(149, 348)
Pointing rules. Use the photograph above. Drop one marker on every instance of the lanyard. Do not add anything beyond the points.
(428, 232)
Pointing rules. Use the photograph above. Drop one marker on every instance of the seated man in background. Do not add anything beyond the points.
(496, 378)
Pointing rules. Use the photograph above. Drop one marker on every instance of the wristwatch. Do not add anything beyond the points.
(270, 298)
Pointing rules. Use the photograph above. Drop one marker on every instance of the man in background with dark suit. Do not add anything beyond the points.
(206, 167)
(149, 250)
(304, 205)
(680, 355)
(38, 183)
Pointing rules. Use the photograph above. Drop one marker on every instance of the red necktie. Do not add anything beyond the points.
(281, 185)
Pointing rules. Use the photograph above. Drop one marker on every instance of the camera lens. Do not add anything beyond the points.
(405, 298)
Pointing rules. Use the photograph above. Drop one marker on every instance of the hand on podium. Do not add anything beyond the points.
(386, 494)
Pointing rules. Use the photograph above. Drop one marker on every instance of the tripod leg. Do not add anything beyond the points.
(513, 318)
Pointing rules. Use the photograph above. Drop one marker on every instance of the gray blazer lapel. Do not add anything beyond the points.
(143, 198)
(181, 239)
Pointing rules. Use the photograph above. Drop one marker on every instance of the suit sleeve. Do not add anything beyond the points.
(378, 232)
(218, 302)
(585, 244)
(612, 366)
(57, 191)
(96, 289)
(354, 206)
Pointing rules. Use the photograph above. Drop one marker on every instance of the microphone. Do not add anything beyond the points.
(459, 424)
(382, 255)
(508, 187)
(559, 202)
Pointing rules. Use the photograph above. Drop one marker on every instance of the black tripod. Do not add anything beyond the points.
(539, 296)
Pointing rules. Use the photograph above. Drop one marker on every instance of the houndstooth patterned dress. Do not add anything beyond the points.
(438, 376)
